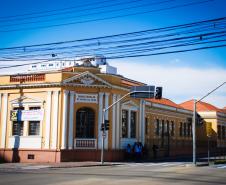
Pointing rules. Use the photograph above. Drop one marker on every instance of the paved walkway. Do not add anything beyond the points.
(51, 165)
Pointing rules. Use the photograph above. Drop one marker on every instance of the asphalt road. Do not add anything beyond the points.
(127, 174)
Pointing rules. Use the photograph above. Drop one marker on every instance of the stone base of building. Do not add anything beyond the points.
(55, 156)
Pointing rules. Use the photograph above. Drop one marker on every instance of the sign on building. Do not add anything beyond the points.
(86, 98)
(27, 115)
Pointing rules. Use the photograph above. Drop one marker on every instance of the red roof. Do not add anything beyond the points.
(224, 110)
(165, 101)
(201, 106)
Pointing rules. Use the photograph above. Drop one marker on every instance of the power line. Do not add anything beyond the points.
(162, 29)
(107, 18)
(69, 12)
(134, 41)
(147, 43)
(54, 10)
(128, 56)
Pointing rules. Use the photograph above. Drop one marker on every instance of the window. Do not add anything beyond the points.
(172, 129)
(163, 128)
(124, 123)
(85, 121)
(185, 129)
(34, 128)
(219, 131)
(190, 129)
(180, 129)
(34, 108)
(223, 132)
(157, 127)
(18, 126)
(133, 124)
(146, 126)
(50, 65)
(167, 128)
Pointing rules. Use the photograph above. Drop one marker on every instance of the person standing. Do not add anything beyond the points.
(155, 149)
(128, 152)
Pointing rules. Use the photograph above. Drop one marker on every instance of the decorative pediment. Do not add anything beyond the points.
(130, 104)
(87, 79)
(26, 99)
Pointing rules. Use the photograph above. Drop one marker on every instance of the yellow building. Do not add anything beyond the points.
(56, 116)
(213, 127)
(169, 127)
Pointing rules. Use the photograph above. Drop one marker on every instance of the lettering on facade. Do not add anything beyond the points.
(86, 98)
(27, 78)
(27, 115)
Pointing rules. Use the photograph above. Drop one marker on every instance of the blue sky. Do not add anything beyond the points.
(207, 62)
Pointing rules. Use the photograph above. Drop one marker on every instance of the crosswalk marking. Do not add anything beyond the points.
(164, 164)
(221, 167)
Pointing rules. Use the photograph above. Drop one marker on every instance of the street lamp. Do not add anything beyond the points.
(194, 121)
(135, 92)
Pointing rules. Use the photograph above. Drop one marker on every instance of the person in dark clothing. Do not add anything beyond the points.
(155, 150)
(128, 152)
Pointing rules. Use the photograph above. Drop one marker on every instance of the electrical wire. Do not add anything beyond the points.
(106, 18)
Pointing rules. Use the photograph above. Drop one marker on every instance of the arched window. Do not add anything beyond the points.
(85, 121)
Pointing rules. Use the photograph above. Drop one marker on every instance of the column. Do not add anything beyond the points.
(26, 127)
(55, 119)
(48, 119)
(129, 123)
(113, 122)
(4, 119)
(106, 117)
(118, 121)
(100, 119)
(0, 102)
(64, 120)
(71, 121)
(143, 122)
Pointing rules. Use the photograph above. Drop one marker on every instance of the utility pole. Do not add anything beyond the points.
(194, 121)
(194, 133)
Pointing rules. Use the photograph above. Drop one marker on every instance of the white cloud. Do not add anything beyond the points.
(179, 83)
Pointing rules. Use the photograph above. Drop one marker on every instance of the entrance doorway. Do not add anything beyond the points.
(85, 123)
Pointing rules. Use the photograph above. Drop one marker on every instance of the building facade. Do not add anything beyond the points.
(212, 128)
(54, 116)
(57, 116)
(169, 127)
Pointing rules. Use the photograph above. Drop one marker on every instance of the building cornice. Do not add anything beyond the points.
(168, 108)
(58, 84)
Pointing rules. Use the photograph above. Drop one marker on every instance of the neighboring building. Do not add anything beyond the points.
(95, 61)
(213, 116)
(168, 126)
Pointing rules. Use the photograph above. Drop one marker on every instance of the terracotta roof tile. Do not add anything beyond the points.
(201, 106)
(165, 101)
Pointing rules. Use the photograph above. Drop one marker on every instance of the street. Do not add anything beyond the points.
(125, 173)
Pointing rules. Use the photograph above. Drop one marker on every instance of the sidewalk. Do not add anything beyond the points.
(52, 165)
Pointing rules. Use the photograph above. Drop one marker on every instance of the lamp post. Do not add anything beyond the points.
(135, 92)
(103, 122)
(194, 121)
